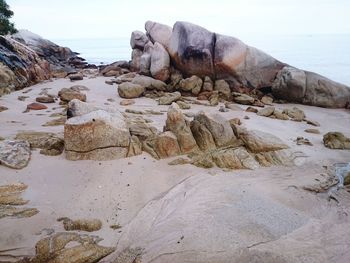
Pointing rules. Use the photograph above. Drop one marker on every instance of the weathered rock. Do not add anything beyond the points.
(233, 107)
(177, 124)
(243, 98)
(136, 60)
(160, 63)
(183, 105)
(191, 49)
(237, 158)
(69, 248)
(130, 90)
(3, 108)
(223, 109)
(311, 122)
(162, 146)
(97, 135)
(251, 109)
(149, 83)
(159, 33)
(258, 141)
(336, 140)
(224, 89)
(192, 84)
(303, 141)
(235, 121)
(214, 98)
(279, 115)
(45, 99)
(305, 87)
(89, 225)
(295, 114)
(135, 146)
(49, 143)
(219, 128)
(138, 40)
(68, 94)
(22, 98)
(266, 112)
(208, 84)
(77, 108)
(74, 77)
(267, 100)
(169, 98)
(139, 128)
(203, 137)
(14, 153)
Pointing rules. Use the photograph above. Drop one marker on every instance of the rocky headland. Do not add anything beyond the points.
(199, 149)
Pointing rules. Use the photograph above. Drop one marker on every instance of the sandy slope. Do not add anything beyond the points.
(246, 207)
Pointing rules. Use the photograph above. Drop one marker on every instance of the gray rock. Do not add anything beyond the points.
(192, 84)
(160, 63)
(138, 40)
(224, 89)
(158, 33)
(149, 83)
(169, 98)
(14, 153)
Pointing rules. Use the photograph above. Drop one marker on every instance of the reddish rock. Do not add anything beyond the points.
(36, 106)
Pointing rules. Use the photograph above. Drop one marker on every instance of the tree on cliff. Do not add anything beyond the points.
(6, 26)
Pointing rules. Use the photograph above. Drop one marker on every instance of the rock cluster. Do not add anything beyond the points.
(193, 60)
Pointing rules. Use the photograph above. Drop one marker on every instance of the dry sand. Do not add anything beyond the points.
(222, 215)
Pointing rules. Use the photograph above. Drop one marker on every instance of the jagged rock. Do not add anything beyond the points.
(160, 63)
(138, 40)
(192, 84)
(162, 146)
(235, 121)
(159, 33)
(295, 114)
(97, 135)
(49, 143)
(305, 87)
(203, 137)
(169, 98)
(279, 115)
(69, 248)
(68, 94)
(126, 102)
(149, 83)
(219, 128)
(214, 98)
(336, 140)
(45, 99)
(266, 112)
(77, 76)
(128, 90)
(268, 159)
(208, 84)
(224, 89)
(177, 124)
(258, 141)
(243, 99)
(139, 128)
(237, 158)
(14, 153)
(303, 141)
(135, 146)
(175, 78)
(89, 225)
(180, 161)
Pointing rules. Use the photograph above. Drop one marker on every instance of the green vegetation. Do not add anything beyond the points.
(6, 27)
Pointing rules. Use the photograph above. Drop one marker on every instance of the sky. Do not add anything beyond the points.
(76, 19)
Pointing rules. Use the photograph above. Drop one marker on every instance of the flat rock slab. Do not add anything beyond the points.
(14, 153)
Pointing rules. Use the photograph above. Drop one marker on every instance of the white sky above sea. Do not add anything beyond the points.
(77, 19)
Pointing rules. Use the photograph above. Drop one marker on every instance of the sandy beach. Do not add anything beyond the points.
(174, 212)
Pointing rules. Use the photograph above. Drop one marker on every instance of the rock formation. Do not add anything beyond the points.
(234, 67)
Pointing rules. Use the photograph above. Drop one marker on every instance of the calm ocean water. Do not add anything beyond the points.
(328, 55)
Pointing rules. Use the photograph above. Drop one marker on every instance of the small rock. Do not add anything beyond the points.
(243, 98)
(336, 140)
(45, 99)
(169, 98)
(132, 111)
(35, 106)
(251, 109)
(266, 112)
(246, 118)
(303, 141)
(3, 108)
(233, 107)
(77, 76)
(315, 131)
(56, 122)
(295, 114)
(22, 98)
(183, 105)
(313, 123)
(279, 115)
(267, 100)
(180, 161)
(127, 102)
(128, 90)
(14, 153)
(235, 121)
(223, 109)
(258, 103)
(68, 94)
(89, 225)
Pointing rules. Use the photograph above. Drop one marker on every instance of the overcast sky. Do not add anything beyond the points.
(115, 18)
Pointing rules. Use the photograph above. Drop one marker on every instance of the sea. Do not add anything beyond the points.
(328, 55)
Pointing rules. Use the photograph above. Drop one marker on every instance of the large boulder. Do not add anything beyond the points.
(14, 153)
(160, 62)
(192, 49)
(159, 33)
(136, 55)
(128, 90)
(306, 87)
(98, 135)
(177, 124)
(224, 89)
(138, 40)
(249, 66)
(219, 128)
